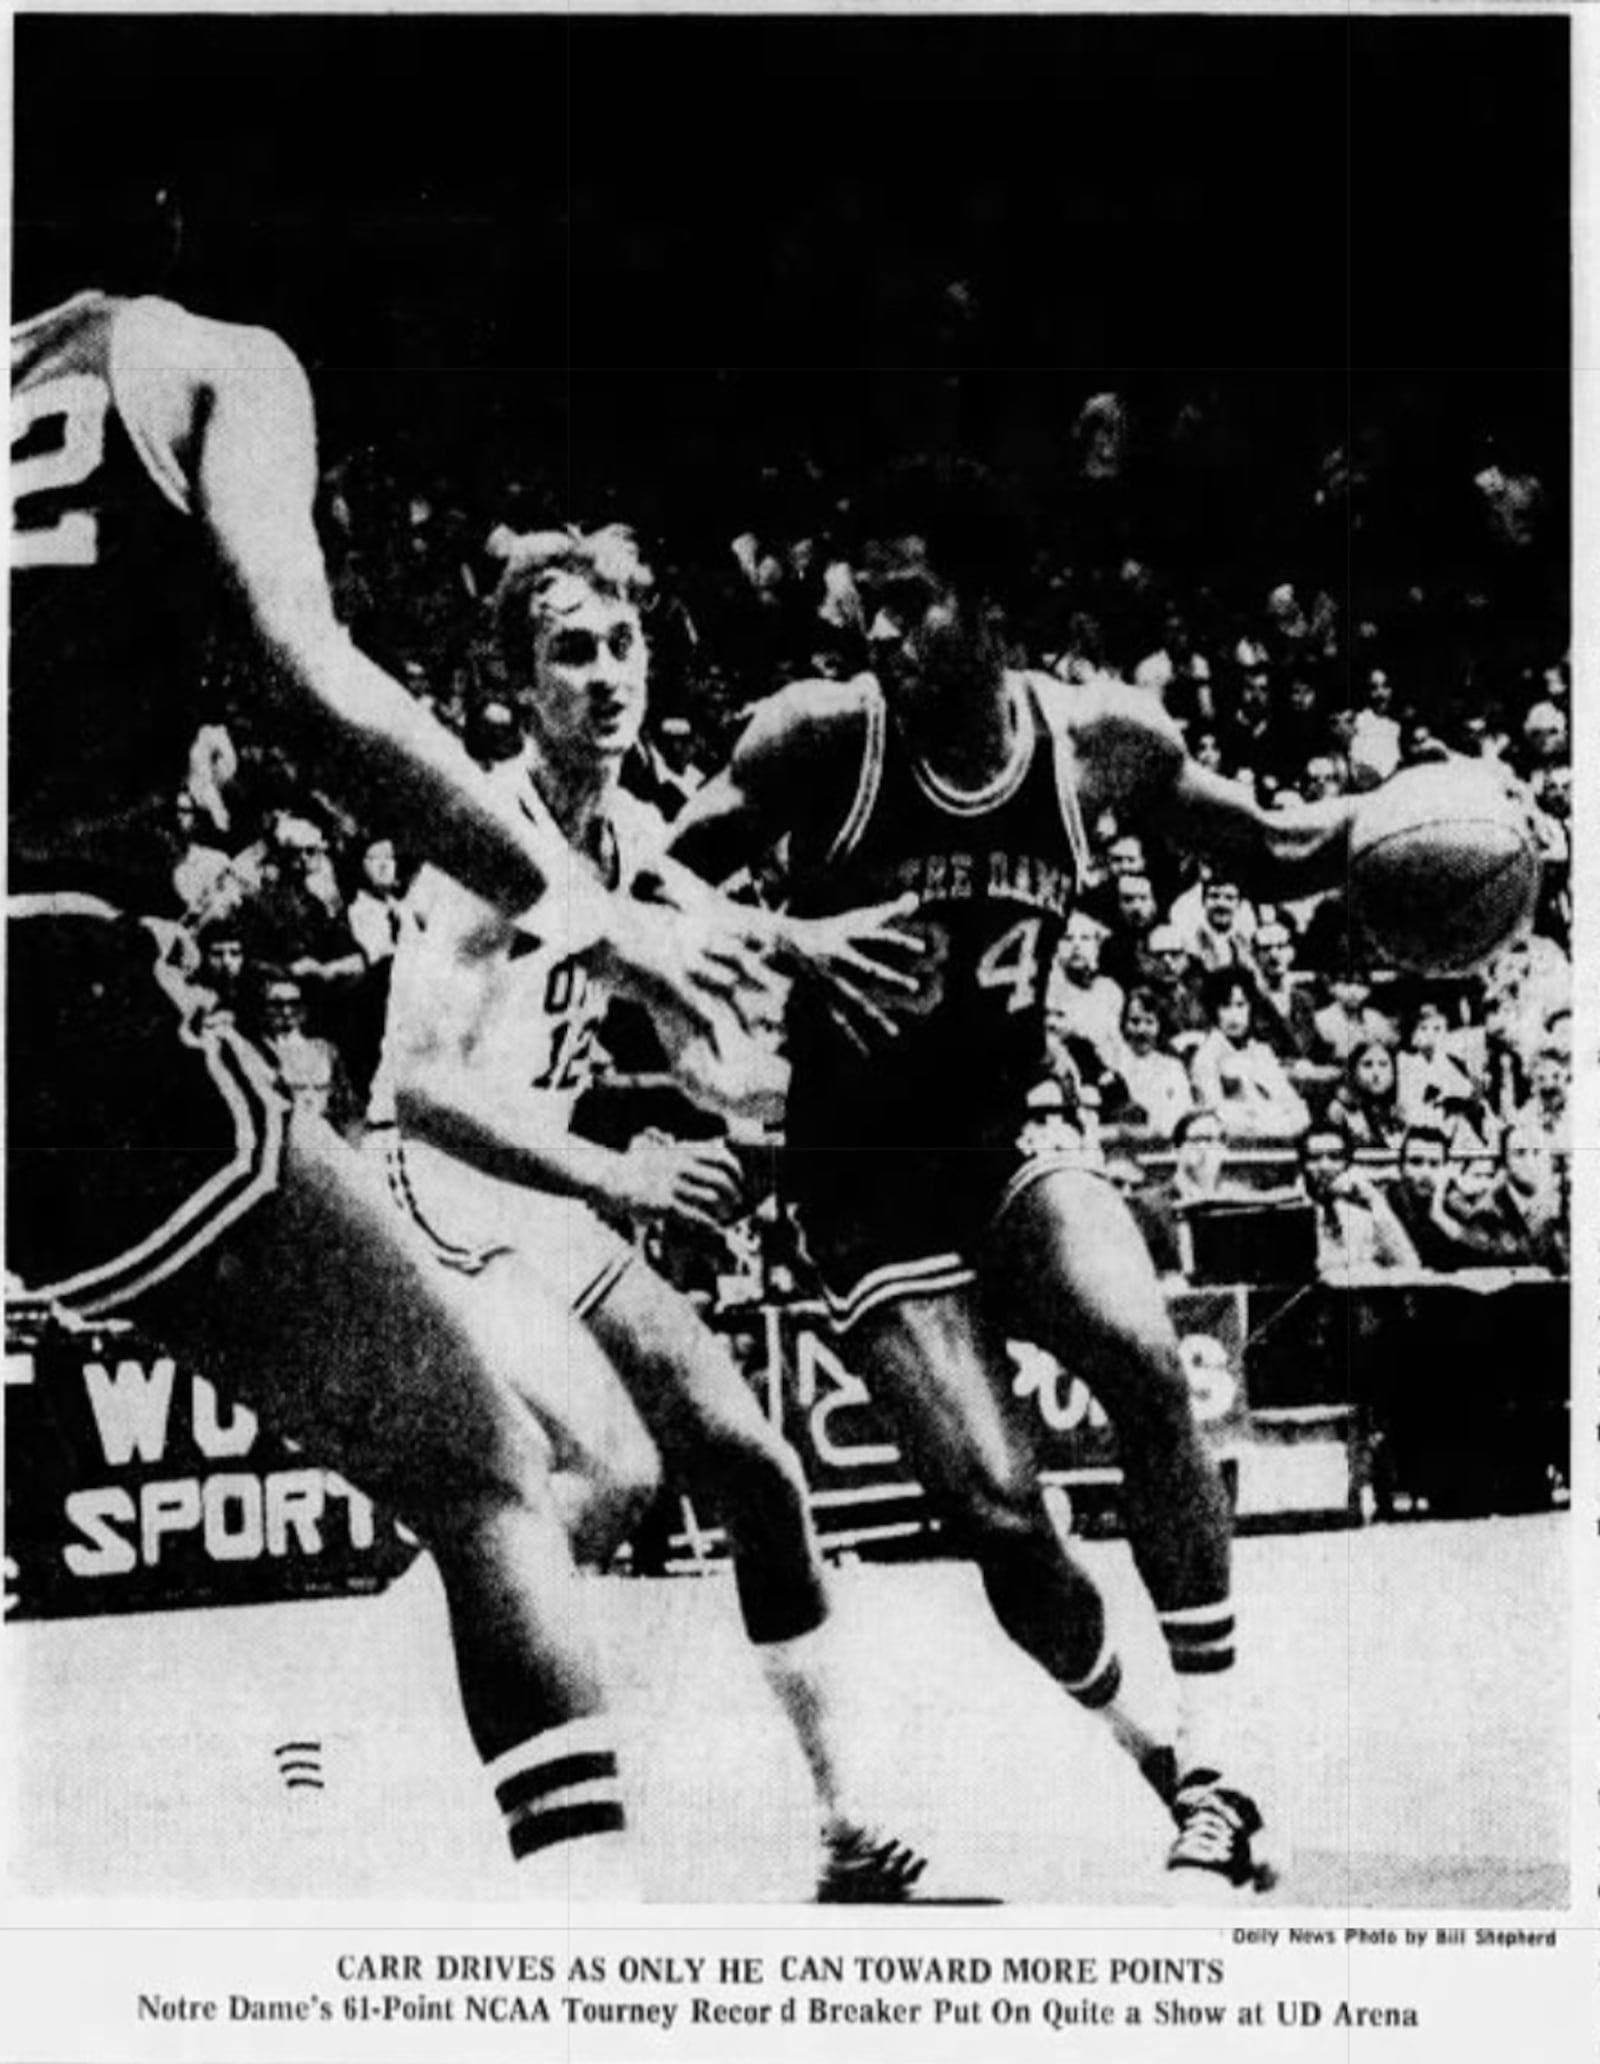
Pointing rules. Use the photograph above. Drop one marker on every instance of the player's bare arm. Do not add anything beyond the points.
(793, 760)
(1131, 756)
(457, 1004)
(241, 423)
(449, 1106)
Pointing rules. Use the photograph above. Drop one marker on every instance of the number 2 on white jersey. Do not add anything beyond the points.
(1012, 964)
(81, 401)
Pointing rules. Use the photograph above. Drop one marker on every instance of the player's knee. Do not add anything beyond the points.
(992, 1499)
(1012, 1544)
(462, 1513)
(453, 1484)
(610, 1497)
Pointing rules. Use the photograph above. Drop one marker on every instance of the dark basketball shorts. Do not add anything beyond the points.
(136, 1135)
(883, 1225)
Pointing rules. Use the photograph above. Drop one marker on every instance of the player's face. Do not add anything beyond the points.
(590, 663)
(923, 636)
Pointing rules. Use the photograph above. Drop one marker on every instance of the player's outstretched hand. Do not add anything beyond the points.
(867, 960)
(699, 962)
(698, 1182)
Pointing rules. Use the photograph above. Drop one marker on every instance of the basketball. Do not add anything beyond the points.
(1444, 867)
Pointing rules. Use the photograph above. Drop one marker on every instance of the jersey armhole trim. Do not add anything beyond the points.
(1066, 770)
(157, 457)
(868, 781)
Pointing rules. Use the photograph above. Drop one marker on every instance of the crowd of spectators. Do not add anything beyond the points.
(1200, 1041)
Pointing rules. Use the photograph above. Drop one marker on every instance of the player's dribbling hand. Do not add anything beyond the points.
(866, 960)
(699, 1182)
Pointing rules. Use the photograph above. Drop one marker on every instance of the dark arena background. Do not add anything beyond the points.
(1268, 318)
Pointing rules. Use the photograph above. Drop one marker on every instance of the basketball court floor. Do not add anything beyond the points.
(1408, 1689)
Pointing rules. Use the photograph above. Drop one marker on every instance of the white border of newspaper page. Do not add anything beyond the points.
(307, 1979)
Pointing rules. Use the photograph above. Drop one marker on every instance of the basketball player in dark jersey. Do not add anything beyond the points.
(163, 467)
(953, 777)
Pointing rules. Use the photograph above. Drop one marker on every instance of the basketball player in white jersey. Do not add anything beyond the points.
(163, 468)
(490, 1038)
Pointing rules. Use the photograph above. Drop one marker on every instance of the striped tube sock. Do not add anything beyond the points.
(1200, 1641)
(564, 1816)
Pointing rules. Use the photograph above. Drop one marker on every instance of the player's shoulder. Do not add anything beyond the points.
(803, 713)
(1121, 731)
(441, 911)
(156, 335)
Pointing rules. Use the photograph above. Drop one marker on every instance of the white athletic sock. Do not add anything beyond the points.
(806, 1676)
(1208, 1724)
(564, 1816)
(1200, 1641)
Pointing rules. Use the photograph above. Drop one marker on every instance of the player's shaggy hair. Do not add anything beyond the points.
(607, 560)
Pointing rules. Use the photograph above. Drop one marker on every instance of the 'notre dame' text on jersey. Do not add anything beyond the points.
(996, 872)
(113, 593)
